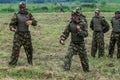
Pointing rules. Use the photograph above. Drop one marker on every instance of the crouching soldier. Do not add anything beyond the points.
(78, 30)
(19, 24)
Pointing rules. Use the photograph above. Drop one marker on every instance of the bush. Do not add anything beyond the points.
(39, 9)
(44, 8)
(66, 8)
(89, 5)
(7, 10)
(57, 8)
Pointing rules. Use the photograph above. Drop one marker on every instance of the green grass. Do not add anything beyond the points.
(49, 55)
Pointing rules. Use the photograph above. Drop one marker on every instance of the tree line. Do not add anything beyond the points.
(53, 1)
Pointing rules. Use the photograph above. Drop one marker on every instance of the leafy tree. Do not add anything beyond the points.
(54, 2)
(88, 1)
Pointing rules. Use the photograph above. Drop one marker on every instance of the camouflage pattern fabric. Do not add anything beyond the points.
(80, 50)
(115, 38)
(83, 17)
(79, 12)
(77, 44)
(97, 44)
(14, 20)
(21, 39)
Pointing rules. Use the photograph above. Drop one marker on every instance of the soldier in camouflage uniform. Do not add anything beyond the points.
(78, 30)
(96, 25)
(115, 35)
(79, 11)
(20, 25)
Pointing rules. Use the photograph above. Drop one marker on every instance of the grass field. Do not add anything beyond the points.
(49, 54)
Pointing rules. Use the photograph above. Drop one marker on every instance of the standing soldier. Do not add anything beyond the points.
(78, 30)
(61, 8)
(19, 24)
(115, 35)
(96, 25)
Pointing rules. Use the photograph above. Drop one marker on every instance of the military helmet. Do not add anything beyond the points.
(74, 13)
(22, 4)
(78, 8)
(97, 10)
(117, 12)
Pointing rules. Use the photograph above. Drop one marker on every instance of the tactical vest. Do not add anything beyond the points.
(97, 24)
(21, 21)
(115, 24)
(74, 33)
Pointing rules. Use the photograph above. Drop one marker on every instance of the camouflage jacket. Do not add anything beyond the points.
(83, 17)
(15, 22)
(76, 36)
(115, 24)
(96, 23)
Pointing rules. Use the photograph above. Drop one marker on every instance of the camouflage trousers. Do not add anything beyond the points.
(74, 49)
(115, 38)
(97, 44)
(21, 39)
